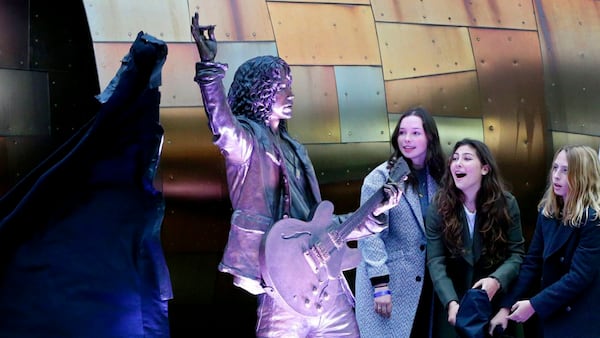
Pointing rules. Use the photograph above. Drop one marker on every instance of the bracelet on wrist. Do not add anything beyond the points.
(382, 293)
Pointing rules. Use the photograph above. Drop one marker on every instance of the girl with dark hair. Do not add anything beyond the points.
(474, 235)
(393, 290)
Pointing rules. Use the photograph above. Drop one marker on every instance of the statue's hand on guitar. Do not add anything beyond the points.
(392, 194)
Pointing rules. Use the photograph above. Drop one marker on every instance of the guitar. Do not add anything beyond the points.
(299, 258)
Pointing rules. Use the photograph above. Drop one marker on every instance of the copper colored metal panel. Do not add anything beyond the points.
(509, 67)
(419, 50)
(455, 94)
(236, 20)
(347, 161)
(361, 96)
(316, 116)
(117, 20)
(178, 88)
(191, 165)
(108, 59)
(325, 34)
(514, 14)
(348, 2)
(569, 33)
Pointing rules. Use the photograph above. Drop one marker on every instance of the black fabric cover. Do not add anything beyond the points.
(474, 314)
(80, 251)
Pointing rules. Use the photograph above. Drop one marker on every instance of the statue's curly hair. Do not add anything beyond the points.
(255, 83)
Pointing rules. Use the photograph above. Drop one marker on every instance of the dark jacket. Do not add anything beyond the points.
(562, 271)
(453, 276)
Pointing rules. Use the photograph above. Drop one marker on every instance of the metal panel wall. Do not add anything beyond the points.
(508, 14)
(417, 50)
(325, 34)
(571, 63)
(476, 65)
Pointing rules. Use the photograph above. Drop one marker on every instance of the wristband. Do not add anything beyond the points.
(382, 293)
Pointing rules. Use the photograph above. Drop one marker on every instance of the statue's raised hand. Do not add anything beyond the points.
(205, 39)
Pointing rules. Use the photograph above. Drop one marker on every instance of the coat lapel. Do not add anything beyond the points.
(558, 234)
(412, 198)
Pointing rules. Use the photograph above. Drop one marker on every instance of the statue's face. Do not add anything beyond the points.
(284, 99)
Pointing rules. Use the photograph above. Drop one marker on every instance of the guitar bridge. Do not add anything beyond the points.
(316, 257)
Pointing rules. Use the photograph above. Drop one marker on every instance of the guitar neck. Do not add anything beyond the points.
(361, 214)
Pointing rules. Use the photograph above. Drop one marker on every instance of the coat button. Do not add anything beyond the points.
(568, 309)
(418, 279)
(422, 247)
(562, 259)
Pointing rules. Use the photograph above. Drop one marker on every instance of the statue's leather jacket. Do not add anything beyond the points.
(256, 175)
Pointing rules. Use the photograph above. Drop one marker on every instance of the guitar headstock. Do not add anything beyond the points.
(399, 171)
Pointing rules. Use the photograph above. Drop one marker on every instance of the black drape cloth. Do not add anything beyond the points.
(80, 250)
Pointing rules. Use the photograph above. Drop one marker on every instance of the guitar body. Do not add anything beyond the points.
(288, 276)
